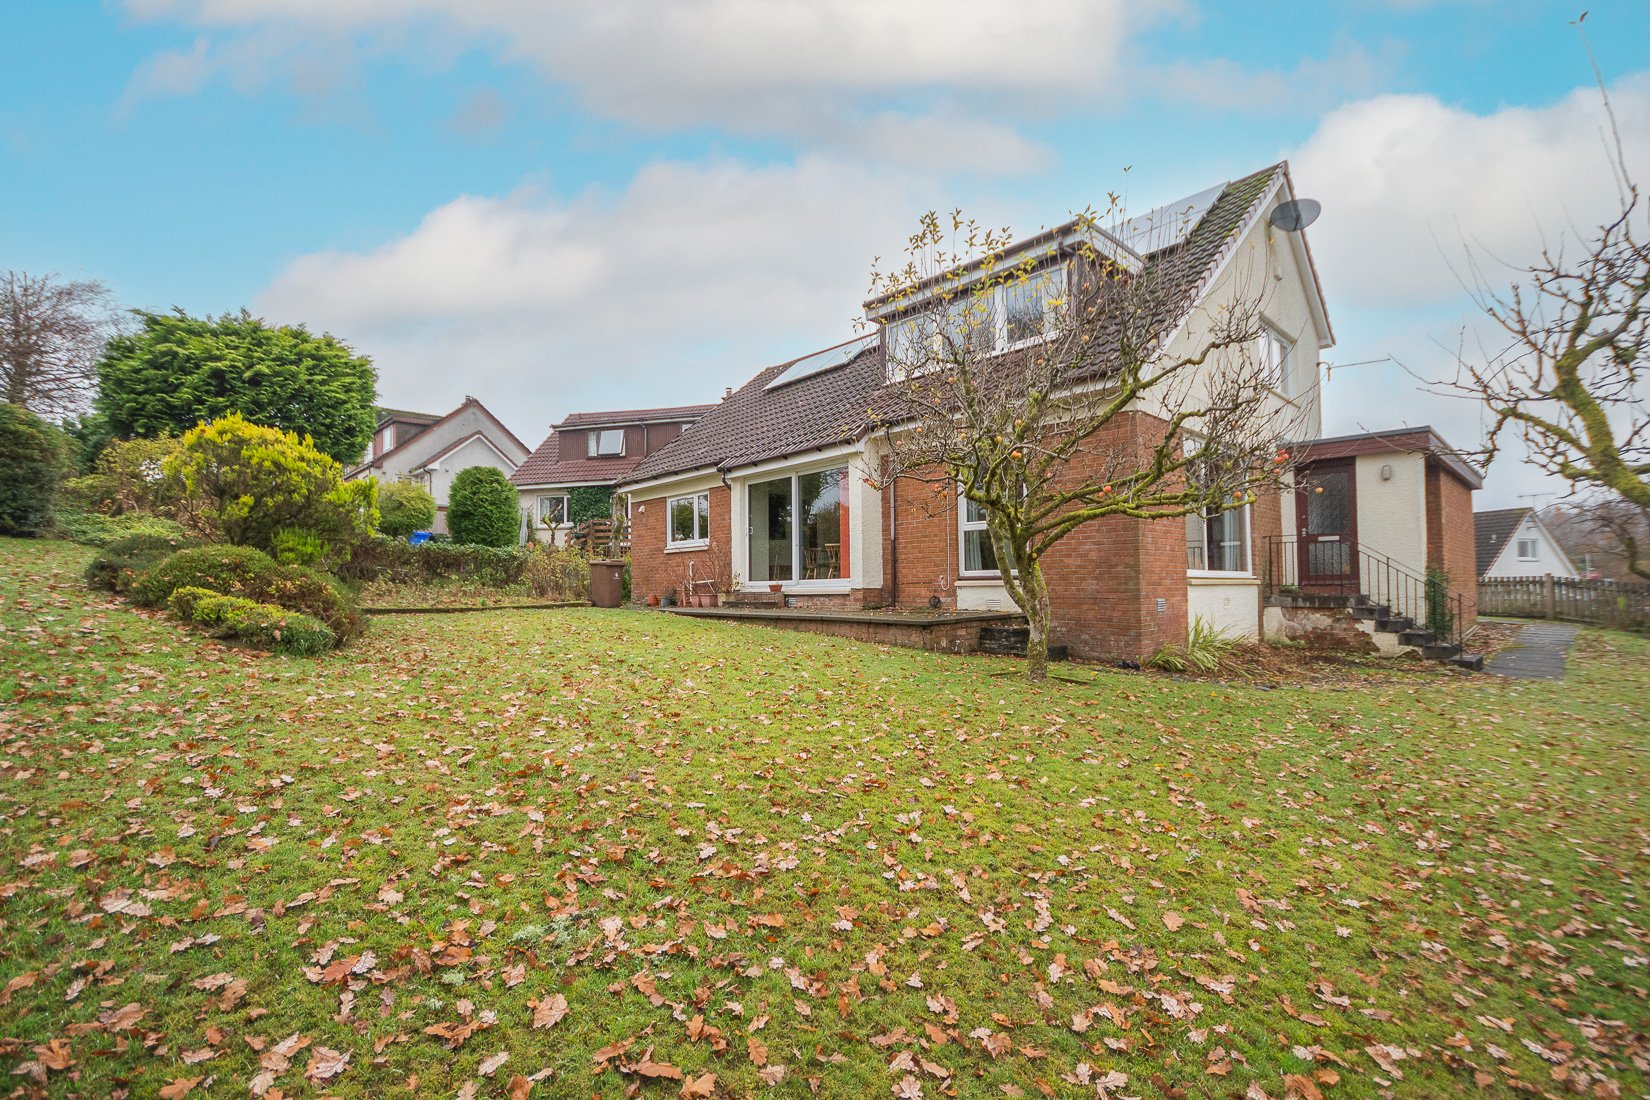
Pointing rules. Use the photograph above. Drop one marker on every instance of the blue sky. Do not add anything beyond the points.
(557, 206)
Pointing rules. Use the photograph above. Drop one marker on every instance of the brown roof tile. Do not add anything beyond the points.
(543, 468)
(544, 465)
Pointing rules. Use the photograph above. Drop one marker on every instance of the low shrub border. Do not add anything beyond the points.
(398, 562)
(257, 624)
(254, 575)
(465, 610)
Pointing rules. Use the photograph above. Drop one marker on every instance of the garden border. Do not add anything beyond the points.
(467, 608)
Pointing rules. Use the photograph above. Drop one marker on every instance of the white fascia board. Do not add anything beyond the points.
(671, 484)
(802, 462)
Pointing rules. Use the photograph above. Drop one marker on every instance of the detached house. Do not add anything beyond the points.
(775, 490)
(1513, 542)
(570, 477)
(431, 450)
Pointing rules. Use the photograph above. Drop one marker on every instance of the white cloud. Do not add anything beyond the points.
(1220, 84)
(922, 81)
(1409, 186)
(688, 280)
(1408, 181)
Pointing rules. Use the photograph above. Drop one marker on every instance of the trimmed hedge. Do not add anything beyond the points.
(397, 562)
(404, 507)
(257, 624)
(483, 508)
(124, 562)
(254, 575)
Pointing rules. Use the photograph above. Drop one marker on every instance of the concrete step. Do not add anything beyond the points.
(1395, 625)
(1417, 637)
(1472, 662)
(1441, 651)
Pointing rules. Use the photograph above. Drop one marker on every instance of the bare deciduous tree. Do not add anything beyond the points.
(1612, 534)
(51, 334)
(1570, 382)
(1019, 373)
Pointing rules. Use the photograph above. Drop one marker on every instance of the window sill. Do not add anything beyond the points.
(684, 547)
(980, 580)
(831, 587)
(1214, 576)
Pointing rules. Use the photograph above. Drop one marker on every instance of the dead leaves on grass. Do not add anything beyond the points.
(840, 853)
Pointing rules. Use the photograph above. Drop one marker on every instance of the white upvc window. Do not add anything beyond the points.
(688, 521)
(979, 557)
(1218, 541)
(606, 442)
(1274, 352)
(553, 510)
(1031, 309)
(1012, 314)
(1527, 550)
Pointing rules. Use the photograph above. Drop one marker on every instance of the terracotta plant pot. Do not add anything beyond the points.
(653, 601)
(775, 587)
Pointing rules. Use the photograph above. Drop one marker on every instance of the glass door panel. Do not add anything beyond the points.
(820, 526)
(770, 530)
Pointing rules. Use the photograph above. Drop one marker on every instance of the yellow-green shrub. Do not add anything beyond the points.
(241, 483)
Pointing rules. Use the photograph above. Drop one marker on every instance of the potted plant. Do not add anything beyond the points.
(653, 601)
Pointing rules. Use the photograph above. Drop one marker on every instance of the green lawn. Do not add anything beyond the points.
(797, 863)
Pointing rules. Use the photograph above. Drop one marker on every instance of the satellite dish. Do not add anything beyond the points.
(1295, 214)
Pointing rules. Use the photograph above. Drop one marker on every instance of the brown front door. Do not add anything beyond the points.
(1326, 513)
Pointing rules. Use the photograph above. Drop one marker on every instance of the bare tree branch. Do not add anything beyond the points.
(1018, 376)
(51, 334)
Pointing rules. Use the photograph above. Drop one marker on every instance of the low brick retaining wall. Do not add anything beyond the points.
(948, 633)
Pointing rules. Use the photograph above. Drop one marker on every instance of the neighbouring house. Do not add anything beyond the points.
(570, 477)
(431, 450)
(773, 494)
(1513, 542)
(395, 427)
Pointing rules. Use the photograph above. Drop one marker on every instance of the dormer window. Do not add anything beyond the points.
(607, 442)
(1012, 314)
(1031, 308)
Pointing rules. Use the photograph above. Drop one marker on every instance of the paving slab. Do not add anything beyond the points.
(1537, 653)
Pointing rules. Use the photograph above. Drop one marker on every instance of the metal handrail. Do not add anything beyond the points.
(1376, 577)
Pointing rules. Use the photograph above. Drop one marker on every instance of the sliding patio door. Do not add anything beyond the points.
(796, 524)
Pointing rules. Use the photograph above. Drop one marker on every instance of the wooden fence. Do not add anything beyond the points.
(1606, 603)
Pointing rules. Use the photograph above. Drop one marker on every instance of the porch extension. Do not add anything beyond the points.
(936, 631)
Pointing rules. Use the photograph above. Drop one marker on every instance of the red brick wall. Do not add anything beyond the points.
(1266, 520)
(1104, 578)
(653, 572)
(1450, 534)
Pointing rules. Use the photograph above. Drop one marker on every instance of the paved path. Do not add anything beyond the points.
(1536, 654)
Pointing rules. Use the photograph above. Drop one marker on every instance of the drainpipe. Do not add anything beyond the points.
(893, 552)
